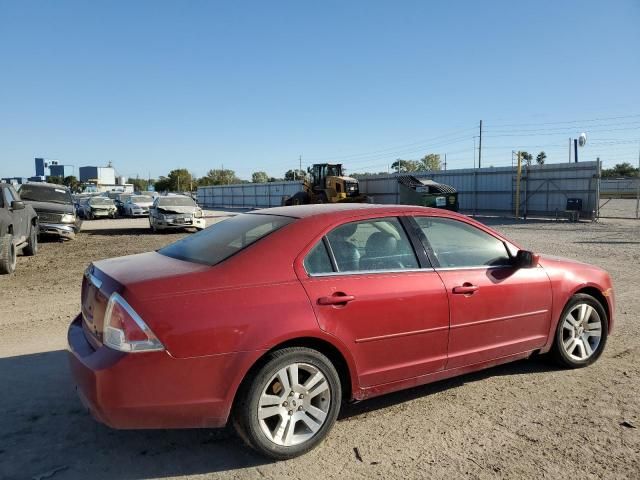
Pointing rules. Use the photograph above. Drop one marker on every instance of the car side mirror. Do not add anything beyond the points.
(526, 259)
(17, 205)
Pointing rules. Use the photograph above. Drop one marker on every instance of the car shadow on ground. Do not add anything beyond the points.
(43, 428)
(536, 364)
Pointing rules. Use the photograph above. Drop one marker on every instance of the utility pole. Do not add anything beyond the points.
(474, 151)
(638, 188)
(480, 147)
(569, 149)
(518, 175)
(575, 150)
(300, 161)
(445, 162)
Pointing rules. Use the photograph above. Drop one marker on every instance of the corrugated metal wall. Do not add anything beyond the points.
(616, 186)
(544, 189)
(247, 195)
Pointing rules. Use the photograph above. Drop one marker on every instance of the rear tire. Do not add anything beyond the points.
(288, 406)
(298, 198)
(7, 254)
(32, 245)
(581, 333)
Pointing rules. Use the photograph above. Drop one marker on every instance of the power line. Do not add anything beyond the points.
(564, 129)
(557, 133)
(566, 121)
(391, 149)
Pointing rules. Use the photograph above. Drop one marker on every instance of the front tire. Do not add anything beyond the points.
(7, 254)
(32, 245)
(581, 333)
(290, 404)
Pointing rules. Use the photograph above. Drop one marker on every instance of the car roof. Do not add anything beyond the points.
(345, 210)
(173, 195)
(46, 185)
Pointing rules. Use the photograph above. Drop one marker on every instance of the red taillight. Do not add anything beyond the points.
(124, 330)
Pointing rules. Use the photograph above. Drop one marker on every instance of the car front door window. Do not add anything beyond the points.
(456, 244)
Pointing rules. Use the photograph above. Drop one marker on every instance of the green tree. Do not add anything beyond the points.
(407, 166)
(178, 180)
(73, 183)
(140, 184)
(259, 177)
(56, 180)
(620, 170)
(219, 177)
(294, 174)
(526, 158)
(541, 158)
(431, 161)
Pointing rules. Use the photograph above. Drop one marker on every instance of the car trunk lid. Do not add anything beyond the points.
(121, 275)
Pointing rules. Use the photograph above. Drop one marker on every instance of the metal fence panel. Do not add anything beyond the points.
(544, 189)
(247, 195)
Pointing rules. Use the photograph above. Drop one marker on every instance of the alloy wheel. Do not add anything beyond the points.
(294, 404)
(581, 332)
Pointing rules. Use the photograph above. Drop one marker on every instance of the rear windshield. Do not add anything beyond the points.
(176, 202)
(45, 194)
(223, 239)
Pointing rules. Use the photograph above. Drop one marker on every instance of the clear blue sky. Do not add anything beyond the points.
(157, 85)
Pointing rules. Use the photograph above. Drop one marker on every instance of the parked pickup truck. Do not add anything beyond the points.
(18, 228)
(54, 206)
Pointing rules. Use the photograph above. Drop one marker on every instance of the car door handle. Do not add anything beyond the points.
(336, 299)
(465, 289)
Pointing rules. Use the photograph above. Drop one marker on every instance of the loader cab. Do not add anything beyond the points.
(321, 171)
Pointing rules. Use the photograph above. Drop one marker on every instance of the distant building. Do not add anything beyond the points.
(98, 175)
(14, 180)
(40, 167)
(61, 170)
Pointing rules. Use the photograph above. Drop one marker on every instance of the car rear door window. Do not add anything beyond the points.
(370, 245)
(317, 260)
(457, 244)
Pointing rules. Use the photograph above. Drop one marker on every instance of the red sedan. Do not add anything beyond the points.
(273, 318)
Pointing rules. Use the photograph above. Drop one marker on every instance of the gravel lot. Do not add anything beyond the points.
(523, 420)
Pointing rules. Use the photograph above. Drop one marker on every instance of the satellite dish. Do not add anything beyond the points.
(582, 139)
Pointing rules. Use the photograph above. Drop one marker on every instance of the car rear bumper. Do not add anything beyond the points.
(61, 229)
(154, 389)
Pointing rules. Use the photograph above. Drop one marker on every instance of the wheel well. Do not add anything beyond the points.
(10, 229)
(597, 294)
(331, 352)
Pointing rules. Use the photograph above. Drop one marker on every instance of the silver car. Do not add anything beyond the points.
(175, 212)
(138, 205)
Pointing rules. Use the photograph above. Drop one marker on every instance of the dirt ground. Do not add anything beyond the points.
(523, 420)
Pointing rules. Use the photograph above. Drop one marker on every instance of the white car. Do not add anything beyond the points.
(99, 207)
(175, 212)
(137, 205)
